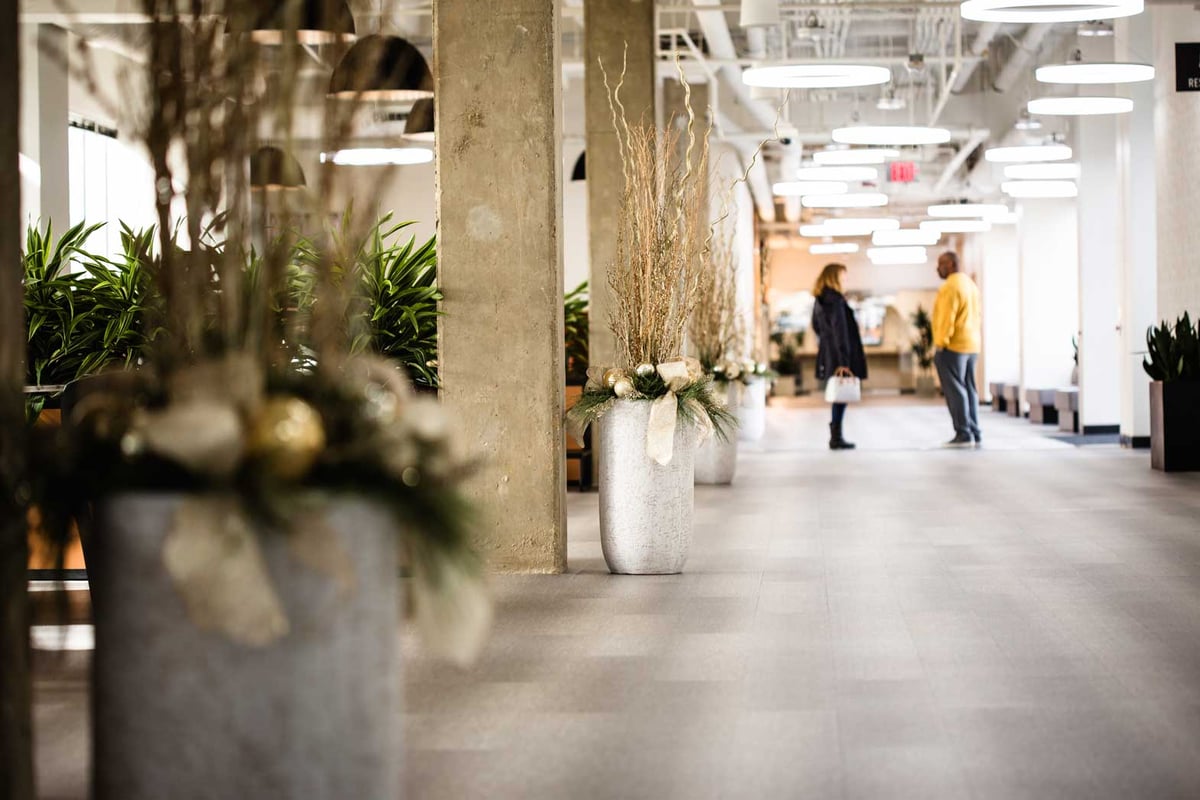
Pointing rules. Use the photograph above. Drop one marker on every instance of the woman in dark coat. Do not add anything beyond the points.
(840, 352)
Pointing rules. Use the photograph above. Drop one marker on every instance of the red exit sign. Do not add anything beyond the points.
(902, 172)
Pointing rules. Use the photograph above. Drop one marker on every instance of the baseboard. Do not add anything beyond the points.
(1135, 442)
(1090, 429)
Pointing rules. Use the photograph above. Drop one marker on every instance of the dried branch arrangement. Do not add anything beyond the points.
(715, 327)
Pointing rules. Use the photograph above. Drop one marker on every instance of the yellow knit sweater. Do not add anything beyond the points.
(956, 317)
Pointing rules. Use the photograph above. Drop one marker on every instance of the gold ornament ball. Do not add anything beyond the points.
(611, 376)
(287, 436)
(645, 370)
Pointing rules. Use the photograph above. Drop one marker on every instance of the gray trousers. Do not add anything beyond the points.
(957, 372)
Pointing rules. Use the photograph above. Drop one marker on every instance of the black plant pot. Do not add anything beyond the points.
(1175, 426)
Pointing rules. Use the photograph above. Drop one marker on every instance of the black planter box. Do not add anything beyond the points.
(1175, 426)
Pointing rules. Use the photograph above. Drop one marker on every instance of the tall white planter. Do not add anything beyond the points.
(716, 458)
(752, 411)
(182, 711)
(645, 507)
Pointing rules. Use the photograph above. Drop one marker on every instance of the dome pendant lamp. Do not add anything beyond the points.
(382, 68)
(310, 21)
(419, 125)
(272, 169)
(759, 12)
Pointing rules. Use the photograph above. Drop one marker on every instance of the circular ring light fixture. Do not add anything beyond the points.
(378, 156)
(837, 174)
(891, 135)
(1027, 153)
(906, 237)
(1079, 106)
(1084, 72)
(957, 225)
(967, 210)
(849, 226)
(816, 76)
(847, 157)
(832, 248)
(1007, 218)
(1048, 11)
(802, 188)
(853, 200)
(1042, 172)
(1035, 189)
(897, 255)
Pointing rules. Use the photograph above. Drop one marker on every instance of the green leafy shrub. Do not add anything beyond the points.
(575, 325)
(1173, 353)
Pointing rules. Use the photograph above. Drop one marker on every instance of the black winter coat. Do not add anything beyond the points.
(840, 342)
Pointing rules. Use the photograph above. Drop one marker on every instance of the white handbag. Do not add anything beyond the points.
(843, 390)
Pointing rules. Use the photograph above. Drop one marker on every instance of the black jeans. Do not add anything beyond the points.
(839, 413)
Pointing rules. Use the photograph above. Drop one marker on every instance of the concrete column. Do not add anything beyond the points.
(53, 104)
(1099, 212)
(499, 201)
(1049, 289)
(999, 287)
(614, 30)
(1136, 182)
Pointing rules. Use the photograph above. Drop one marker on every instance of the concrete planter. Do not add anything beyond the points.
(179, 711)
(645, 507)
(716, 458)
(1175, 426)
(752, 411)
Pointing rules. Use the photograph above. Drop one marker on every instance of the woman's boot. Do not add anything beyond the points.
(836, 442)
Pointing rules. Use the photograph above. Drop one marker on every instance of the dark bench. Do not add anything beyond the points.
(999, 403)
(1066, 403)
(1041, 406)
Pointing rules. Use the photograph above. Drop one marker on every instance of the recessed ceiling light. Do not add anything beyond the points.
(378, 156)
(837, 174)
(1080, 106)
(847, 157)
(852, 200)
(906, 236)
(1095, 72)
(966, 210)
(816, 76)
(830, 248)
(957, 225)
(1028, 189)
(801, 188)
(1048, 11)
(1027, 153)
(897, 255)
(891, 135)
(1043, 172)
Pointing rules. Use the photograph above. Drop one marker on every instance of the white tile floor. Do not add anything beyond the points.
(898, 621)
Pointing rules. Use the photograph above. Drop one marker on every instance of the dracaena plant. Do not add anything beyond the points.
(1173, 352)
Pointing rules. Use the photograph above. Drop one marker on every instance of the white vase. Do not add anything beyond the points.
(752, 411)
(645, 507)
(182, 711)
(716, 457)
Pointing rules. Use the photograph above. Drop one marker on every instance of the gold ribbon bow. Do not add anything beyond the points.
(664, 411)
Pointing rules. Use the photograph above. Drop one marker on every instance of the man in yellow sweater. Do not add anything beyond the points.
(956, 334)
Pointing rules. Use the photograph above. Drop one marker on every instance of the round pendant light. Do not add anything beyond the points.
(1034, 189)
(837, 174)
(891, 135)
(897, 255)
(1027, 153)
(852, 200)
(759, 12)
(957, 225)
(1086, 72)
(1048, 11)
(1042, 172)
(849, 226)
(832, 248)
(382, 68)
(378, 156)
(272, 169)
(966, 210)
(418, 126)
(308, 21)
(1007, 218)
(851, 157)
(801, 188)
(1079, 106)
(816, 76)
(906, 237)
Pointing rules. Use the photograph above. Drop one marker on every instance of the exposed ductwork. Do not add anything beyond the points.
(979, 45)
(1030, 44)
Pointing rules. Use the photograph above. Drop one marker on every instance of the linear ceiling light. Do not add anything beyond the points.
(966, 210)
(852, 200)
(1095, 72)
(891, 135)
(897, 255)
(816, 76)
(1033, 189)
(1080, 106)
(801, 188)
(837, 174)
(1048, 11)
(906, 236)
(848, 157)
(378, 156)
(832, 248)
(1042, 172)
(1028, 152)
(957, 225)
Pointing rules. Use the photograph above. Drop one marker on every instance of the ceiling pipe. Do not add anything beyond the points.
(979, 45)
(1028, 47)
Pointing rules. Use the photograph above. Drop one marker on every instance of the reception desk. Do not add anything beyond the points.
(887, 370)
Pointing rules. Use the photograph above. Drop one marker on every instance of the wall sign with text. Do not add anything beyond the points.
(1187, 66)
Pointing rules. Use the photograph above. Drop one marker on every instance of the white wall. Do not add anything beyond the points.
(1049, 289)
(576, 254)
(1000, 290)
(729, 195)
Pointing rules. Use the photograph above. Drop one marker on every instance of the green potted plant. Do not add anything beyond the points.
(787, 362)
(1173, 364)
(575, 326)
(923, 352)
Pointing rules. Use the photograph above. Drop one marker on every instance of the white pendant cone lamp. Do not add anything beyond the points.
(759, 12)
